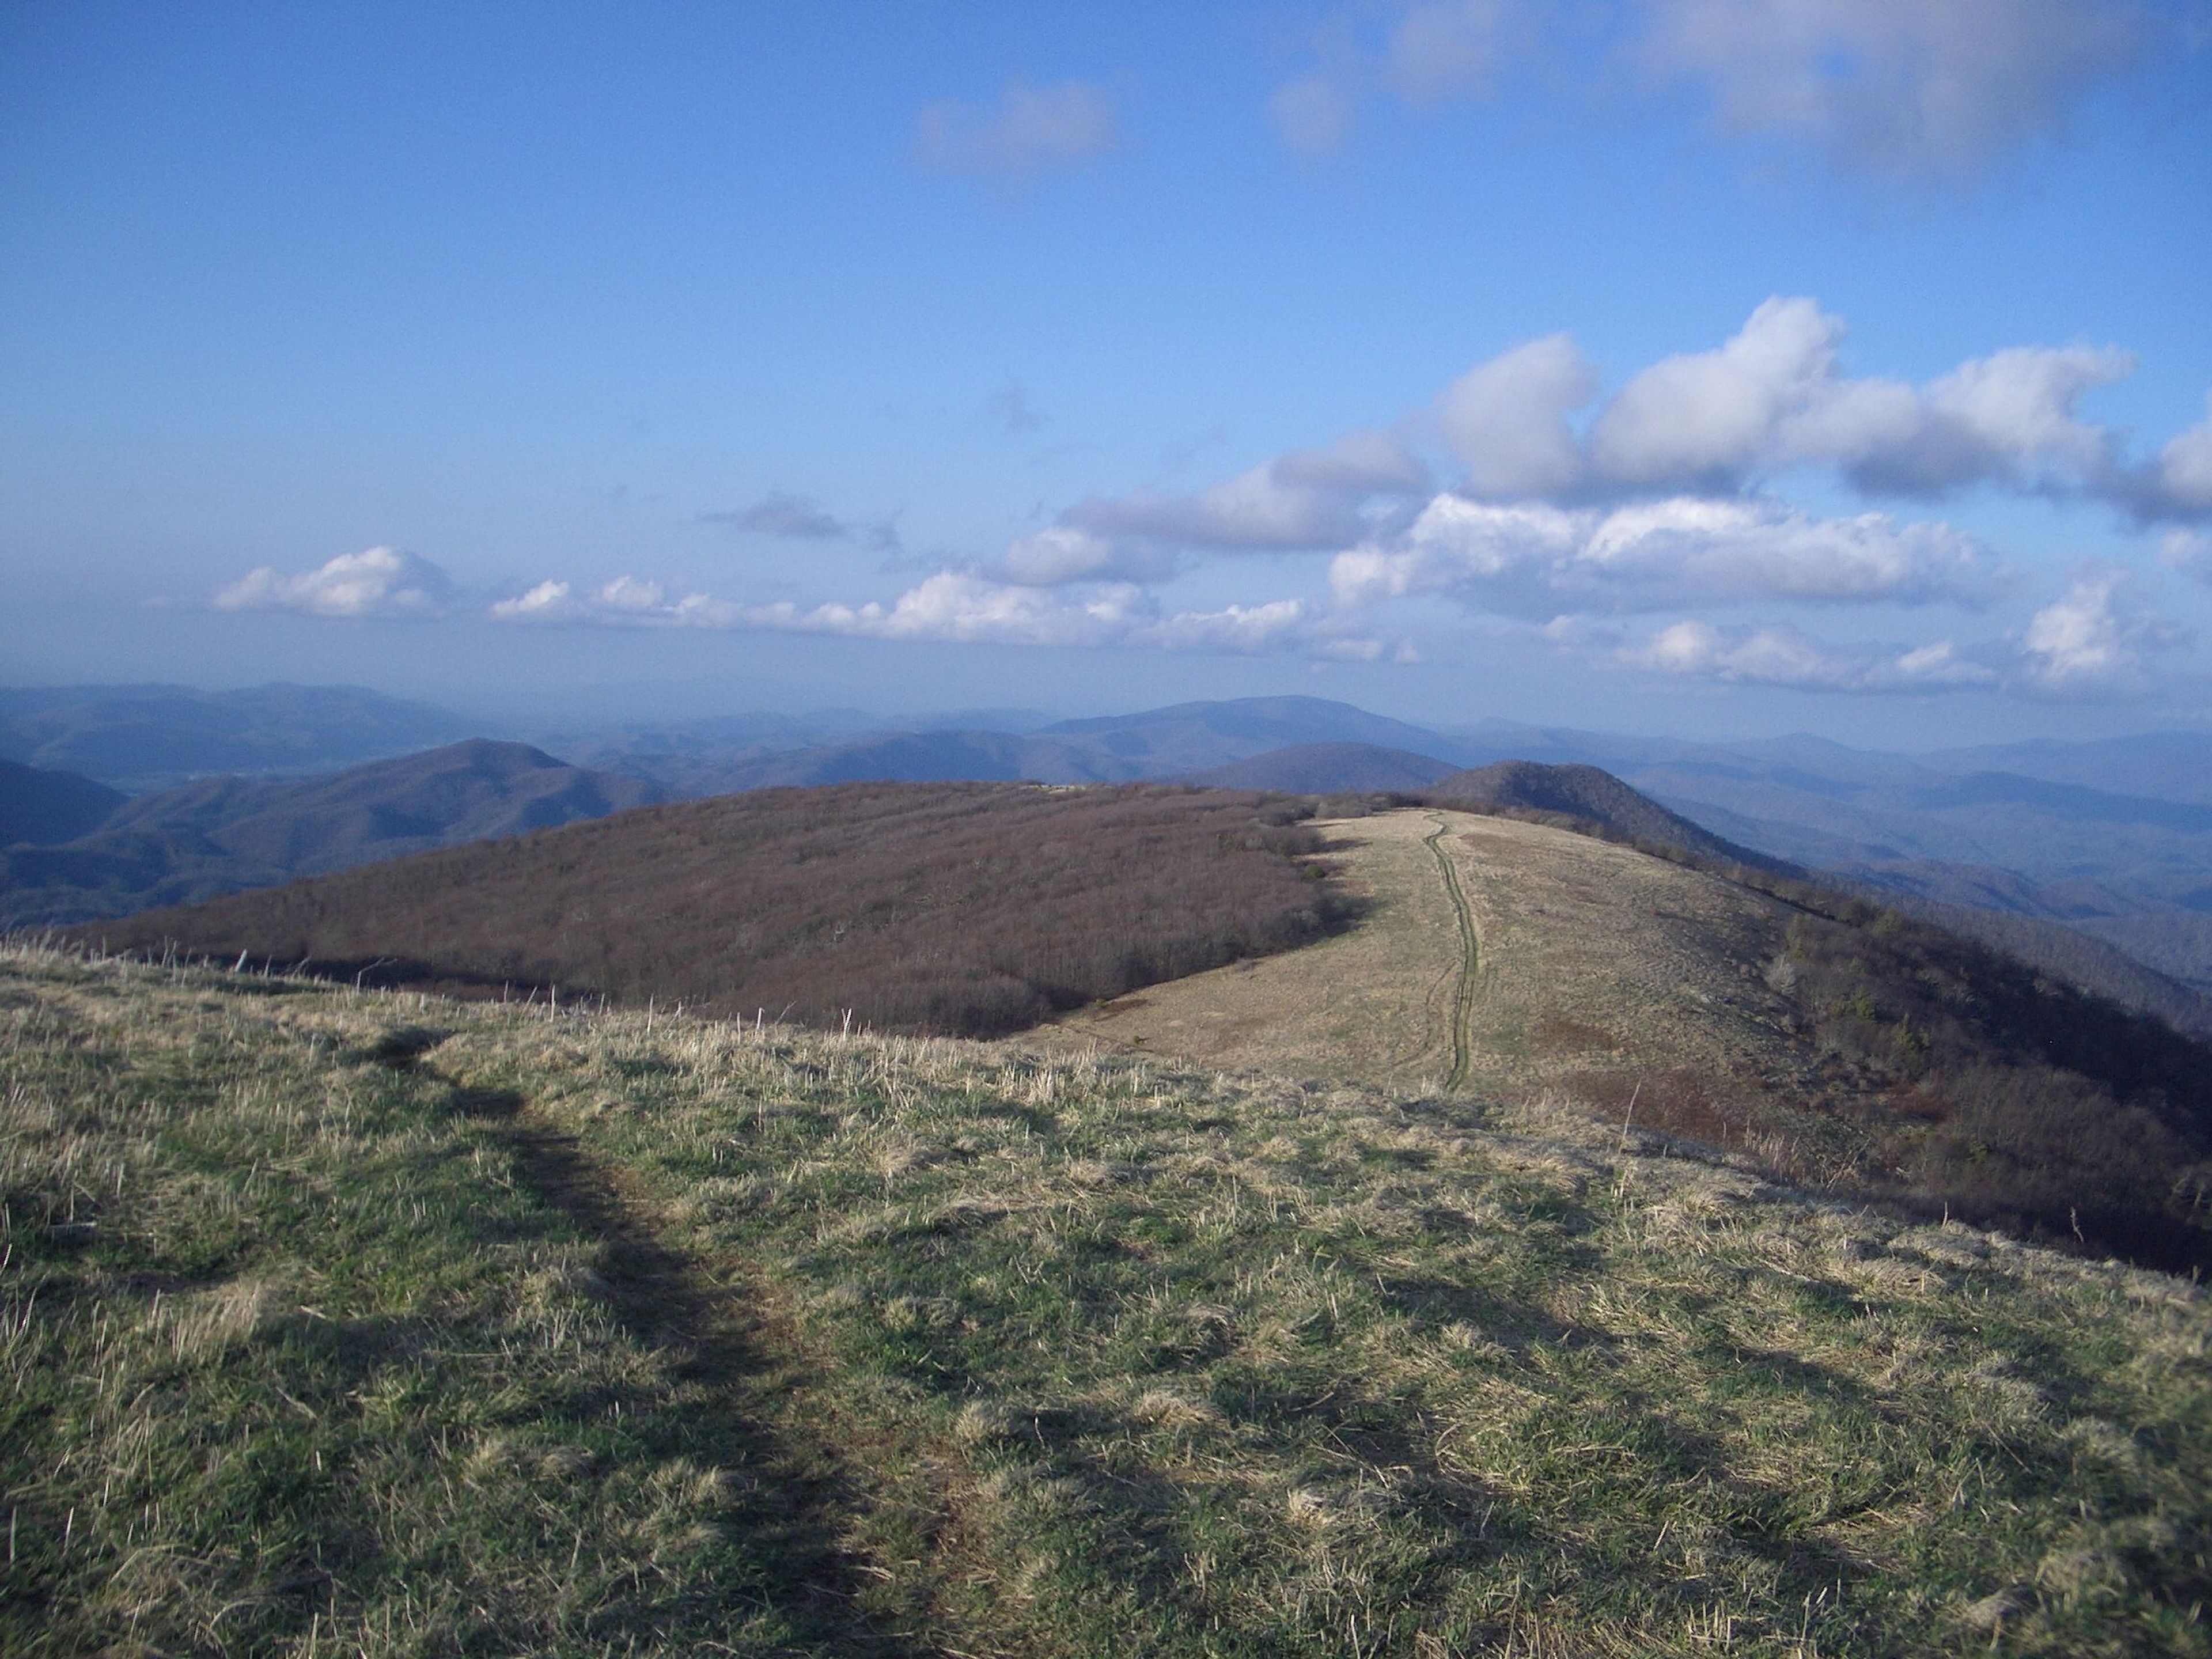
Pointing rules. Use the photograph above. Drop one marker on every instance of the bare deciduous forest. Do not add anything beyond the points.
(968, 909)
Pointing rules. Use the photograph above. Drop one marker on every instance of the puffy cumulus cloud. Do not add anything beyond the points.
(2098, 638)
(1031, 132)
(1772, 397)
(1929, 89)
(625, 602)
(1535, 559)
(1506, 420)
(966, 608)
(1785, 657)
(1708, 416)
(2009, 416)
(382, 581)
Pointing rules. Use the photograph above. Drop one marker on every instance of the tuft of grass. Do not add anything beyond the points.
(481, 1329)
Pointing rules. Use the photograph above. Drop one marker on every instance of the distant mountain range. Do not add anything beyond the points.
(1185, 739)
(220, 834)
(2108, 840)
(138, 738)
(1328, 769)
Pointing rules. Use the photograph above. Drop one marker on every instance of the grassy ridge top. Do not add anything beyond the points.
(964, 908)
(331, 1320)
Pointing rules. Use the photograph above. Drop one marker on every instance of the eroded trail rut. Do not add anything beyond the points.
(1470, 963)
(730, 1353)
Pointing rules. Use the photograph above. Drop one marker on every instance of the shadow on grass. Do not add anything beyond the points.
(801, 1504)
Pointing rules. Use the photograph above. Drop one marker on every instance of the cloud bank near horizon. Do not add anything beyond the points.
(1526, 496)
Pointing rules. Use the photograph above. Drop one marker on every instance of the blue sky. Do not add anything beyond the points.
(1707, 365)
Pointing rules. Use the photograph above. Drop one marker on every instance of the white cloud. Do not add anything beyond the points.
(1506, 419)
(1531, 558)
(1031, 132)
(1784, 656)
(1936, 89)
(2099, 637)
(2009, 416)
(625, 602)
(1247, 629)
(1707, 417)
(1772, 397)
(381, 581)
(957, 606)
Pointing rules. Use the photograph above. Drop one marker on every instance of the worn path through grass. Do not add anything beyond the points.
(1508, 960)
(728, 1342)
(1470, 962)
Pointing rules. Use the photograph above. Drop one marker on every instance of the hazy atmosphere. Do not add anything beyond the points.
(1327, 829)
(1711, 368)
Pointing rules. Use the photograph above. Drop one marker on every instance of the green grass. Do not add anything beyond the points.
(583, 1335)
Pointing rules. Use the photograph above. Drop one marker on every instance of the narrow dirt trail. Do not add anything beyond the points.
(733, 1352)
(1462, 1009)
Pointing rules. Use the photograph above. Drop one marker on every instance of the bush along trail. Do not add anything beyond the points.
(351, 1321)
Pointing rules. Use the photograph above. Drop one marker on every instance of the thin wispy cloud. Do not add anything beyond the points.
(1910, 91)
(796, 518)
(1914, 89)
(1311, 115)
(1011, 410)
(1031, 133)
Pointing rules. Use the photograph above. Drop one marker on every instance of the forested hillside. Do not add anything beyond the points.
(959, 908)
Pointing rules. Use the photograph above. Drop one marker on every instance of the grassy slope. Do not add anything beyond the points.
(578, 1336)
(1850, 1051)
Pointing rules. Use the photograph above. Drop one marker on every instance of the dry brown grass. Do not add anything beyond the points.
(1061, 1353)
